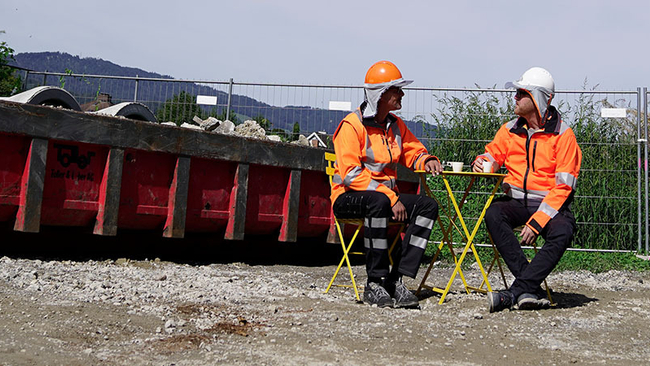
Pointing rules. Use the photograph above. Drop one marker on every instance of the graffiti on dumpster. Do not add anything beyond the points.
(67, 155)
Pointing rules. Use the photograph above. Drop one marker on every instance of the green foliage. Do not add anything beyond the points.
(606, 201)
(62, 78)
(180, 108)
(595, 262)
(465, 126)
(296, 131)
(10, 83)
(602, 262)
(605, 204)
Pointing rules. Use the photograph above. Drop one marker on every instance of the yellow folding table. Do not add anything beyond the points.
(468, 237)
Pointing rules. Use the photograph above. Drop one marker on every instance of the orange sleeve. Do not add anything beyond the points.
(414, 154)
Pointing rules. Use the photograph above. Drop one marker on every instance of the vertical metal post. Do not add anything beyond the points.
(135, 94)
(24, 86)
(45, 78)
(639, 103)
(229, 100)
(645, 161)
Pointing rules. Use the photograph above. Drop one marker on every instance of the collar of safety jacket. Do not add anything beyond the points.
(370, 121)
(552, 124)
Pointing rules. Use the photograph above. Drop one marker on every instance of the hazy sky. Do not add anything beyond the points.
(454, 43)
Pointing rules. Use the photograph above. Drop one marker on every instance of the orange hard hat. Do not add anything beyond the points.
(382, 72)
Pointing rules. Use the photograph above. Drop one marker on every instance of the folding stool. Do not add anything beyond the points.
(347, 247)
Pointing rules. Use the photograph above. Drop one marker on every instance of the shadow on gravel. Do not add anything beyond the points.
(567, 300)
(426, 293)
(564, 300)
(54, 243)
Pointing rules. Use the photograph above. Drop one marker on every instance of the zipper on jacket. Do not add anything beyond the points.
(527, 169)
(390, 154)
(534, 155)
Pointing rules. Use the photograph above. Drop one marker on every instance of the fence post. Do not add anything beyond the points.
(24, 86)
(45, 78)
(135, 94)
(645, 161)
(639, 103)
(229, 100)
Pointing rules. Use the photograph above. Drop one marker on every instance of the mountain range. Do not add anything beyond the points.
(153, 95)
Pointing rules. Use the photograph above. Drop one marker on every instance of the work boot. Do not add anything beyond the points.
(501, 300)
(404, 298)
(375, 294)
(528, 301)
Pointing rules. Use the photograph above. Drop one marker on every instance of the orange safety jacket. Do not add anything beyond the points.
(367, 154)
(543, 165)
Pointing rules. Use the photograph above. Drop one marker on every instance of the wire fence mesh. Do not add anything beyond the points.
(455, 124)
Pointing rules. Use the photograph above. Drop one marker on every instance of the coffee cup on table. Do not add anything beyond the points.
(456, 166)
(487, 167)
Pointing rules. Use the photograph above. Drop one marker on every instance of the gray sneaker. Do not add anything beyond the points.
(404, 298)
(375, 294)
(500, 300)
(528, 301)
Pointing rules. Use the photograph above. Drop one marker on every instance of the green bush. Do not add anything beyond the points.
(605, 204)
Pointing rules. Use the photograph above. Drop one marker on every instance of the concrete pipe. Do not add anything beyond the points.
(46, 95)
(132, 110)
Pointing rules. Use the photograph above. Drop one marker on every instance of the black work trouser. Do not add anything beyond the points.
(375, 208)
(505, 214)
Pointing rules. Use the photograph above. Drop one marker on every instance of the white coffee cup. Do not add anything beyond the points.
(457, 166)
(487, 167)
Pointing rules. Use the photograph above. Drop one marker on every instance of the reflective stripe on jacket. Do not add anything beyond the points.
(543, 165)
(367, 154)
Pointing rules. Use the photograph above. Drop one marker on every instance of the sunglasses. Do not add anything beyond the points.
(521, 93)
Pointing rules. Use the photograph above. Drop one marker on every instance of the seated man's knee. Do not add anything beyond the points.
(560, 228)
(429, 207)
(493, 214)
(379, 206)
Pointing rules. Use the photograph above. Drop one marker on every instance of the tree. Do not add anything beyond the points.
(296, 130)
(9, 82)
(180, 108)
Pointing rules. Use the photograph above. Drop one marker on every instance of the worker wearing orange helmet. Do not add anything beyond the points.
(369, 143)
(542, 157)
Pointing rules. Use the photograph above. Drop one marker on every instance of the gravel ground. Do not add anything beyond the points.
(57, 311)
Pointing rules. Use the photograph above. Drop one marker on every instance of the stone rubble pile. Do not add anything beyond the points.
(249, 129)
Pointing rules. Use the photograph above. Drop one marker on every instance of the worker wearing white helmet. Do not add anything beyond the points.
(542, 158)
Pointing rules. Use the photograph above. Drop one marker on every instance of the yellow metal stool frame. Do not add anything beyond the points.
(469, 237)
(331, 158)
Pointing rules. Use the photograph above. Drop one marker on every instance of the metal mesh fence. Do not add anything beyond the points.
(455, 124)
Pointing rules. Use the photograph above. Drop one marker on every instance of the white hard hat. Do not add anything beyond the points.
(539, 82)
(534, 77)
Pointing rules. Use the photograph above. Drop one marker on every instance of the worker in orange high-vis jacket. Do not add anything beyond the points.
(542, 158)
(369, 143)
